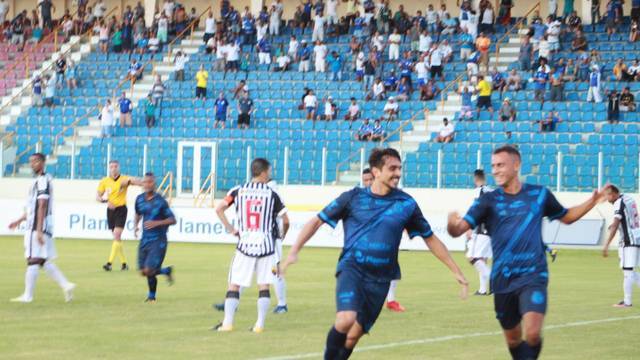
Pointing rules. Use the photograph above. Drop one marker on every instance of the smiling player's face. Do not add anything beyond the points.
(390, 173)
(505, 168)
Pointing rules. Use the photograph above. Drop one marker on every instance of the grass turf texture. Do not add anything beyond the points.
(108, 319)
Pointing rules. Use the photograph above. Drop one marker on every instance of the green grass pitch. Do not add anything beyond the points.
(108, 319)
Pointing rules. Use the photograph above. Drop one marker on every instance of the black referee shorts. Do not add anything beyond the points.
(117, 217)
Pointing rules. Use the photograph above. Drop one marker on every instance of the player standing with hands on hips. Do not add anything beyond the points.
(513, 216)
(373, 220)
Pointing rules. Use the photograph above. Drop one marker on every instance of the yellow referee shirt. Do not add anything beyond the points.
(116, 189)
(484, 88)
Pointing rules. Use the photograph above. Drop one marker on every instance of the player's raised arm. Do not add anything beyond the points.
(575, 213)
(440, 251)
(307, 232)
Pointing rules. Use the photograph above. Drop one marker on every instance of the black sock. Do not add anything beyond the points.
(518, 352)
(335, 343)
(153, 284)
(344, 353)
(534, 350)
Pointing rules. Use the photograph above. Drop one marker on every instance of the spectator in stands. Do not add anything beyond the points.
(103, 37)
(36, 90)
(135, 71)
(404, 90)
(216, 47)
(432, 19)
(4, 10)
(627, 100)
(142, 44)
(446, 50)
(318, 28)
(544, 50)
(486, 17)
(292, 49)
(579, 42)
(232, 56)
(634, 70)
(245, 109)
(557, 84)
(125, 106)
(465, 40)
(595, 14)
(201, 83)
(274, 21)
(620, 71)
(594, 85)
(507, 112)
(106, 120)
(353, 112)
(394, 45)
(163, 29)
(209, 27)
(330, 109)
(483, 44)
(50, 89)
(446, 133)
(377, 91)
(220, 108)
(157, 92)
(498, 81)
(472, 64)
(484, 95)
(436, 58)
(310, 105)
(634, 33)
(583, 67)
(240, 89)
(449, 25)
(304, 56)
(514, 81)
(466, 110)
(335, 66)
(553, 34)
(365, 131)
(425, 41)
(149, 111)
(429, 90)
(36, 34)
(613, 108)
(574, 22)
(116, 40)
(391, 82)
(264, 50)
(369, 71)
(282, 62)
(612, 17)
(540, 80)
(179, 62)
(61, 68)
(406, 68)
(391, 109)
(377, 132)
(570, 71)
(549, 123)
(45, 11)
(154, 45)
(320, 55)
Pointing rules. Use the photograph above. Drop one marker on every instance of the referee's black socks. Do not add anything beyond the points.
(335, 344)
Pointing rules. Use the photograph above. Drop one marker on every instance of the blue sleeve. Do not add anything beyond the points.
(337, 210)
(138, 211)
(552, 208)
(418, 225)
(478, 211)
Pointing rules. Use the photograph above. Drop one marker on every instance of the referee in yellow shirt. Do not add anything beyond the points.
(113, 191)
(484, 96)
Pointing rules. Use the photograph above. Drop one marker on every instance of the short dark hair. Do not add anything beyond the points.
(614, 189)
(507, 149)
(39, 156)
(258, 166)
(366, 171)
(149, 174)
(479, 173)
(378, 157)
(114, 162)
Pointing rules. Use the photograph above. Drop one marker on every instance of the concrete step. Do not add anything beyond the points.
(89, 131)
(80, 140)
(509, 50)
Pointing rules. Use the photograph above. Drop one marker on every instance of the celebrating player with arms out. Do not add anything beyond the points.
(154, 210)
(513, 216)
(39, 249)
(373, 219)
(114, 187)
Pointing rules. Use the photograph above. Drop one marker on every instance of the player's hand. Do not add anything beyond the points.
(598, 195)
(150, 224)
(464, 293)
(605, 252)
(40, 238)
(291, 259)
(234, 232)
(136, 230)
(14, 224)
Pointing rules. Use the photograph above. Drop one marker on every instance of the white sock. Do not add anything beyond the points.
(391, 295)
(637, 278)
(483, 274)
(54, 272)
(281, 290)
(230, 306)
(627, 285)
(263, 307)
(30, 278)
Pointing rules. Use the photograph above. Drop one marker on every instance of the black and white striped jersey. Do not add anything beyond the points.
(626, 210)
(478, 192)
(257, 208)
(41, 189)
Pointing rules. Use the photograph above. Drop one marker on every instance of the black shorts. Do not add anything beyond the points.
(201, 92)
(244, 119)
(117, 218)
(436, 70)
(511, 306)
(484, 102)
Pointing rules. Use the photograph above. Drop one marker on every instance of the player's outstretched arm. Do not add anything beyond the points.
(18, 221)
(307, 232)
(442, 253)
(135, 181)
(456, 225)
(575, 213)
(613, 228)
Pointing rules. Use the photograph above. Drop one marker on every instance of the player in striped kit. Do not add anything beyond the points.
(627, 221)
(479, 242)
(257, 207)
(39, 247)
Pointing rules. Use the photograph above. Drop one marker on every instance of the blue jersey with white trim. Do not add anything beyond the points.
(514, 223)
(156, 208)
(373, 227)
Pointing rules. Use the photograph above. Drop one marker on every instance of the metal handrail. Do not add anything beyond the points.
(517, 24)
(449, 85)
(25, 57)
(205, 190)
(167, 192)
(402, 126)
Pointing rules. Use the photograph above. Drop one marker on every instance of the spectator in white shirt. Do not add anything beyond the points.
(282, 61)
(422, 70)
(553, 33)
(168, 8)
(220, 49)
(332, 12)
(99, 10)
(293, 48)
(310, 105)
(353, 112)
(274, 21)
(107, 120)
(209, 27)
(394, 45)
(446, 133)
(391, 109)
(178, 65)
(435, 62)
(318, 28)
(377, 90)
(329, 109)
(320, 55)
(4, 9)
(446, 50)
(425, 41)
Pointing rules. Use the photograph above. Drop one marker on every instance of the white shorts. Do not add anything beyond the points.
(33, 249)
(479, 247)
(279, 255)
(243, 267)
(629, 256)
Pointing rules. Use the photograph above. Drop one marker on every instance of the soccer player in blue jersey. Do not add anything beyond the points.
(512, 215)
(373, 219)
(156, 215)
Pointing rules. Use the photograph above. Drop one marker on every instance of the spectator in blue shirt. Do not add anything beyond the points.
(377, 132)
(36, 88)
(220, 107)
(335, 66)
(391, 82)
(540, 80)
(248, 29)
(404, 91)
(125, 110)
(549, 123)
(358, 26)
(264, 50)
(365, 131)
(304, 54)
